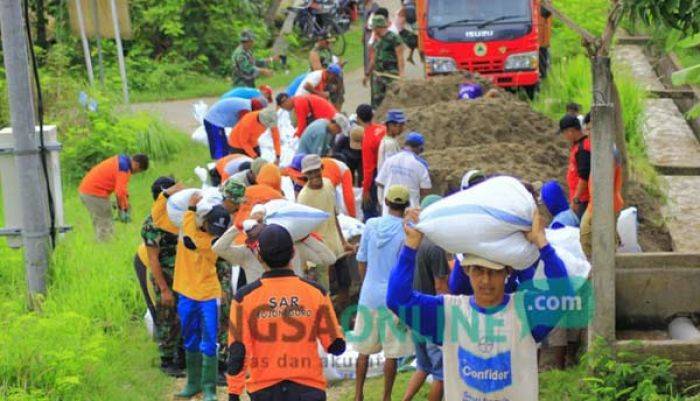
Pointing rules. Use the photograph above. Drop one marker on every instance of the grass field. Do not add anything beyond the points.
(88, 340)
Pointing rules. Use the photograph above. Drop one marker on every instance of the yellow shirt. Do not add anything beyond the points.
(324, 199)
(143, 255)
(159, 214)
(195, 269)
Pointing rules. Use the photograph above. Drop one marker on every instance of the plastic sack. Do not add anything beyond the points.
(470, 91)
(148, 321)
(487, 220)
(200, 110)
(343, 366)
(566, 242)
(292, 88)
(627, 227)
(200, 136)
(178, 204)
(299, 220)
(350, 227)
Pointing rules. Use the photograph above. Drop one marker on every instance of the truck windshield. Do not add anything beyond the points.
(444, 13)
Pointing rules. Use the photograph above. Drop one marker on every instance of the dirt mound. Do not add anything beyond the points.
(413, 92)
(501, 135)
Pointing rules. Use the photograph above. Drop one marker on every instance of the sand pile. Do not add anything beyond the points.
(499, 136)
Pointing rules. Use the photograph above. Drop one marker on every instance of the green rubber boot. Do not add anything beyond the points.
(210, 370)
(194, 375)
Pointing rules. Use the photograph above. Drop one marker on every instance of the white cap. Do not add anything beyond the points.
(343, 122)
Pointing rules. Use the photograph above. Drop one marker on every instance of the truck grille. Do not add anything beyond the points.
(482, 66)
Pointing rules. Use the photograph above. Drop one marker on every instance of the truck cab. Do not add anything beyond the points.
(499, 39)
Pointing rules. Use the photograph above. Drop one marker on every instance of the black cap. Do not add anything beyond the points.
(364, 113)
(275, 246)
(567, 122)
(160, 184)
(218, 220)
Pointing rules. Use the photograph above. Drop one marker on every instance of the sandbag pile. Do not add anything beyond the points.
(178, 204)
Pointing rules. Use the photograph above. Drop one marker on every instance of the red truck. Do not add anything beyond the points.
(504, 40)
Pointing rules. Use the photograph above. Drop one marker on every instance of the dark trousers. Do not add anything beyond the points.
(288, 391)
(372, 210)
(240, 151)
(218, 143)
(142, 275)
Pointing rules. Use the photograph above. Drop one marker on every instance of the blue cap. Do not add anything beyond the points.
(296, 161)
(335, 69)
(414, 139)
(395, 116)
(554, 198)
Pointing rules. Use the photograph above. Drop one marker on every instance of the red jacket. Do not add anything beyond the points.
(111, 175)
(370, 152)
(314, 105)
(579, 168)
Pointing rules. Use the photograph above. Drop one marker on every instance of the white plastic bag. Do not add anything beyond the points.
(148, 321)
(200, 136)
(627, 230)
(350, 227)
(178, 204)
(566, 242)
(299, 220)
(343, 366)
(200, 110)
(487, 220)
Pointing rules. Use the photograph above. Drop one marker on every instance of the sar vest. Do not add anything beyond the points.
(500, 365)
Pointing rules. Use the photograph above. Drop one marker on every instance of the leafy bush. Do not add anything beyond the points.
(107, 134)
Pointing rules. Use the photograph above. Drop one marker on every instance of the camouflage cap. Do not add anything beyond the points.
(379, 21)
(233, 190)
(247, 36)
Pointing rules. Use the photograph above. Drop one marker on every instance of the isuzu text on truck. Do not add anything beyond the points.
(504, 40)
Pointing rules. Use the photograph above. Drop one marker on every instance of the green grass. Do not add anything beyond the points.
(213, 86)
(374, 388)
(88, 341)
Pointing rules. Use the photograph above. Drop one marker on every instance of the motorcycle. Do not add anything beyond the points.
(314, 18)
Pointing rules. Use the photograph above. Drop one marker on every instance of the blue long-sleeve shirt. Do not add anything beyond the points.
(459, 284)
(403, 300)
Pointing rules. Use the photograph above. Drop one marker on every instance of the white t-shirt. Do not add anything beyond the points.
(405, 168)
(501, 365)
(387, 147)
(314, 78)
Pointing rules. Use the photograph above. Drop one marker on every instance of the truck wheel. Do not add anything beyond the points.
(530, 91)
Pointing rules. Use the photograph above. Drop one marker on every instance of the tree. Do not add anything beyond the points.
(683, 15)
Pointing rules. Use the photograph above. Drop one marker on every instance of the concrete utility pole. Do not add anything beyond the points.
(35, 230)
(603, 240)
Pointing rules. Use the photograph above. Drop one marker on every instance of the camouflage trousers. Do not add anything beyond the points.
(223, 271)
(166, 321)
(379, 87)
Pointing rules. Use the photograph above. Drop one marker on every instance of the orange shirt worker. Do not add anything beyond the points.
(275, 324)
(109, 176)
(246, 133)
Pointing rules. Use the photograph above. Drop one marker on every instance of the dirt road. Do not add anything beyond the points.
(179, 112)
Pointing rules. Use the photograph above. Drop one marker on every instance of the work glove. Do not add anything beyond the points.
(124, 215)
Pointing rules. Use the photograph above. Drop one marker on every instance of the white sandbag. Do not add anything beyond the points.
(566, 242)
(299, 220)
(487, 220)
(350, 227)
(288, 189)
(343, 366)
(627, 229)
(200, 136)
(178, 203)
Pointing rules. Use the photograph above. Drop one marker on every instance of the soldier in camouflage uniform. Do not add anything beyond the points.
(320, 57)
(387, 58)
(166, 322)
(245, 66)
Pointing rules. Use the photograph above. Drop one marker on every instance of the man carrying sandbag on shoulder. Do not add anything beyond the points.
(320, 193)
(489, 340)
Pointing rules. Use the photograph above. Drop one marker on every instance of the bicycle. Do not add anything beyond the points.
(309, 24)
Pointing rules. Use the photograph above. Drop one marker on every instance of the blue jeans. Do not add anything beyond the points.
(200, 323)
(218, 143)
